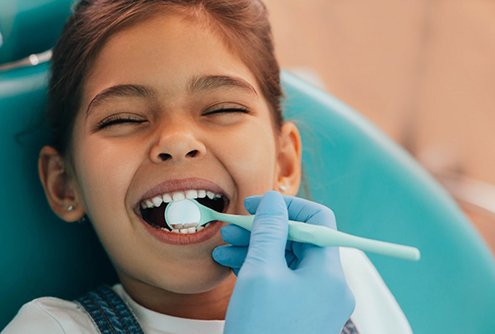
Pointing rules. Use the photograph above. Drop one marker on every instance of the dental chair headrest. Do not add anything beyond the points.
(30, 27)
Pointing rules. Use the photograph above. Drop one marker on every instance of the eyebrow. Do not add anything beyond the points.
(127, 90)
(208, 82)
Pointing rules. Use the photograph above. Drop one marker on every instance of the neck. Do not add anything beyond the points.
(209, 305)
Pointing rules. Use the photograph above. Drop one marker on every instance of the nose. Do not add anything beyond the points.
(177, 144)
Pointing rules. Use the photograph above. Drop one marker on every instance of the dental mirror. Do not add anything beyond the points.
(189, 211)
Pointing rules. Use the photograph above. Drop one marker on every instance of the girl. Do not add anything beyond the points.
(153, 101)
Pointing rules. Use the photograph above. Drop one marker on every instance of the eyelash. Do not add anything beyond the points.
(115, 120)
(227, 110)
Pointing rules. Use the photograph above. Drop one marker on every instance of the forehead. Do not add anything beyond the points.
(165, 51)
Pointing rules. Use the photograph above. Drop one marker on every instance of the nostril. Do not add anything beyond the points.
(192, 154)
(164, 156)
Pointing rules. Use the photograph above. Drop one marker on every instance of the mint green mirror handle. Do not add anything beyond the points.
(324, 236)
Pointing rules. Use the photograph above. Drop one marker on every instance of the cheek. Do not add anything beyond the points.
(104, 175)
(250, 158)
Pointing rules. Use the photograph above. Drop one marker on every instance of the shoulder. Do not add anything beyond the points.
(50, 315)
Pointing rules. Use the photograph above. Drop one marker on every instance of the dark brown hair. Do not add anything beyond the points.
(243, 25)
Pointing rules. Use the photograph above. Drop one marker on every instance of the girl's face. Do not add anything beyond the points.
(168, 110)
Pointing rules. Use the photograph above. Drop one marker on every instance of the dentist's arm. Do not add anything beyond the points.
(284, 287)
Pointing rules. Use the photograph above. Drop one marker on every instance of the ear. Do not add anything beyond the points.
(59, 185)
(288, 173)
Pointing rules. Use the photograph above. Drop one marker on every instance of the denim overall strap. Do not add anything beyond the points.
(109, 312)
(349, 328)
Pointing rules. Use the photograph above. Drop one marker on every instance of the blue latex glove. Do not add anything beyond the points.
(283, 287)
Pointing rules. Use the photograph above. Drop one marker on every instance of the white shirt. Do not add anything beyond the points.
(377, 311)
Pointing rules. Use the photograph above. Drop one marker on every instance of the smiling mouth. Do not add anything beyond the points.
(152, 210)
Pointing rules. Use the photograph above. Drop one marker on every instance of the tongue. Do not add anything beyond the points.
(156, 216)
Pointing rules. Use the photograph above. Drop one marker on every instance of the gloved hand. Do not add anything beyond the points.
(283, 287)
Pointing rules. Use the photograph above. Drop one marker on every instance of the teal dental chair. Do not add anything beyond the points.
(30, 27)
(374, 188)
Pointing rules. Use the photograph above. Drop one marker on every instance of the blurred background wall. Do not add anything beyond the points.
(423, 71)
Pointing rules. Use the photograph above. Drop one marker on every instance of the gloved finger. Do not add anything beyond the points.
(269, 232)
(235, 235)
(314, 259)
(312, 213)
(311, 257)
(233, 257)
(299, 209)
(251, 203)
(238, 236)
(303, 210)
(230, 256)
(291, 259)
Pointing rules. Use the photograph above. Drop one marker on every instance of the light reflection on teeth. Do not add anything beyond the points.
(191, 194)
(179, 195)
(181, 229)
(188, 230)
(156, 201)
(167, 198)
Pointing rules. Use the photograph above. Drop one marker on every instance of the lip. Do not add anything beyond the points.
(181, 185)
(184, 239)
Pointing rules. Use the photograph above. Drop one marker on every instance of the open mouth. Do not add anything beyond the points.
(152, 210)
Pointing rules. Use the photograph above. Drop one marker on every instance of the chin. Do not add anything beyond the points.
(202, 279)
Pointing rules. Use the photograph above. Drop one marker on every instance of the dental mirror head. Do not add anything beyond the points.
(181, 213)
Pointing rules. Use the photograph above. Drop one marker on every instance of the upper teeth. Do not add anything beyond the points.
(176, 196)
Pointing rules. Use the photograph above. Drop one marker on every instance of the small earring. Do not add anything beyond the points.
(283, 187)
(70, 207)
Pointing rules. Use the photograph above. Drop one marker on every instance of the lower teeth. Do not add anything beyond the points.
(188, 230)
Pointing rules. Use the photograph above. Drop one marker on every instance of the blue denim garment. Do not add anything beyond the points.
(109, 312)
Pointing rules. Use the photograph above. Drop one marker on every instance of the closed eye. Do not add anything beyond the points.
(119, 120)
(226, 110)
